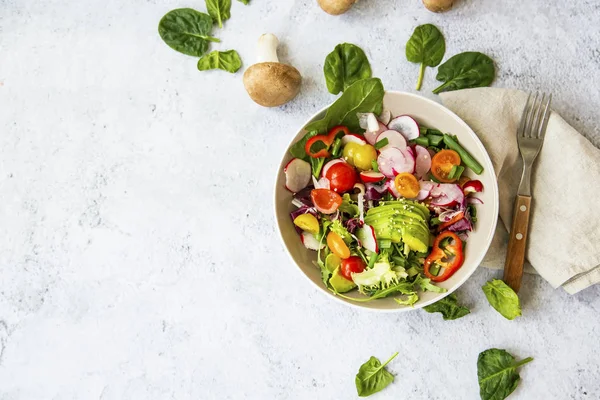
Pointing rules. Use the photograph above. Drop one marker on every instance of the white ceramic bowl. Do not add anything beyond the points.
(433, 115)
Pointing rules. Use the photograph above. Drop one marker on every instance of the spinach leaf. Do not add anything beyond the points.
(317, 165)
(373, 377)
(497, 374)
(449, 308)
(361, 97)
(346, 64)
(246, 2)
(465, 70)
(219, 10)
(297, 150)
(502, 298)
(426, 46)
(229, 61)
(187, 31)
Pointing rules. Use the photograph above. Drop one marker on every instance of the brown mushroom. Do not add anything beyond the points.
(269, 82)
(438, 5)
(336, 7)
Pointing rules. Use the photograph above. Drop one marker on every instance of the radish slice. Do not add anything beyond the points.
(406, 125)
(371, 137)
(371, 176)
(395, 139)
(322, 183)
(297, 175)
(330, 164)
(391, 187)
(367, 238)
(309, 241)
(409, 162)
(352, 138)
(368, 122)
(423, 161)
(447, 194)
(473, 187)
(426, 187)
(385, 116)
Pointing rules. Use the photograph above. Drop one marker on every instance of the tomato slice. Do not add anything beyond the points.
(351, 265)
(337, 246)
(442, 163)
(325, 200)
(407, 185)
(341, 176)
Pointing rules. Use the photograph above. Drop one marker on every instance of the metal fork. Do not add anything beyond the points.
(530, 137)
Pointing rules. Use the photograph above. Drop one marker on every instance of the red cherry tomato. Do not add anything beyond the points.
(350, 265)
(342, 177)
(325, 200)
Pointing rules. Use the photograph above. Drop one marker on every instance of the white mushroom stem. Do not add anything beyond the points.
(267, 48)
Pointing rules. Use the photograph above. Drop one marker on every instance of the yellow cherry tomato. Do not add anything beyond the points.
(349, 151)
(308, 223)
(363, 157)
(407, 185)
(337, 246)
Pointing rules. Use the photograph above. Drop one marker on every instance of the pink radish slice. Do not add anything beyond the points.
(409, 162)
(423, 161)
(391, 186)
(446, 194)
(406, 125)
(387, 159)
(352, 138)
(385, 117)
(371, 176)
(297, 175)
(395, 139)
(310, 242)
(426, 187)
(371, 137)
(367, 238)
(330, 164)
(473, 187)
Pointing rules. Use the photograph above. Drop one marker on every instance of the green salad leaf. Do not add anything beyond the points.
(426, 46)
(497, 374)
(219, 10)
(229, 61)
(410, 299)
(362, 96)
(297, 150)
(502, 298)
(348, 206)
(187, 31)
(448, 307)
(372, 377)
(465, 70)
(346, 64)
(425, 285)
(317, 165)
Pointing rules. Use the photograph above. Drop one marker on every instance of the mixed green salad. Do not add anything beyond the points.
(384, 203)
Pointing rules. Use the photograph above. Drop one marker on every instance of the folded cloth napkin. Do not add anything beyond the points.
(564, 230)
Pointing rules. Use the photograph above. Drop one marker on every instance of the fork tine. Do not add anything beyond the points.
(545, 118)
(529, 123)
(537, 119)
(524, 116)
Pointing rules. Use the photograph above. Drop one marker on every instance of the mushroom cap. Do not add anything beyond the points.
(272, 84)
(336, 7)
(438, 5)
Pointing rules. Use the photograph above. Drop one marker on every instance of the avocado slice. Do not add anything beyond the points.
(332, 262)
(416, 239)
(339, 283)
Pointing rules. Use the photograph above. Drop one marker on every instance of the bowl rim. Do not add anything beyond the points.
(357, 305)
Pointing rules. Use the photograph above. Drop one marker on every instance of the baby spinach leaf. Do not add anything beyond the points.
(229, 61)
(426, 46)
(361, 97)
(497, 374)
(372, 377)
(346, 64)
(219, 10)
(502, 298)
(465, 70)
(448, 307)
(187, 31)
(317, 165)
(297, 150)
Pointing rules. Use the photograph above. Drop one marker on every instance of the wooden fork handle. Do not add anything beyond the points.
(515, 254)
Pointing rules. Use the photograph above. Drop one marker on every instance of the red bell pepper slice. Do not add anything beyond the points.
(326, 140)
(446, 254)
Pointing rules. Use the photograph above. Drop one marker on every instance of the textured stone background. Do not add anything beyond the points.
(138, 252)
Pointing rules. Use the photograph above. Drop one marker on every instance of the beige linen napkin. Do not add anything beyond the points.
(564, 232)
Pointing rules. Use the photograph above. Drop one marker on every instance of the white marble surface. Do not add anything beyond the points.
(138, 252)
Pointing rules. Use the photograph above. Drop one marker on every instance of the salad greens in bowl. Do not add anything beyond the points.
(386, 200)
